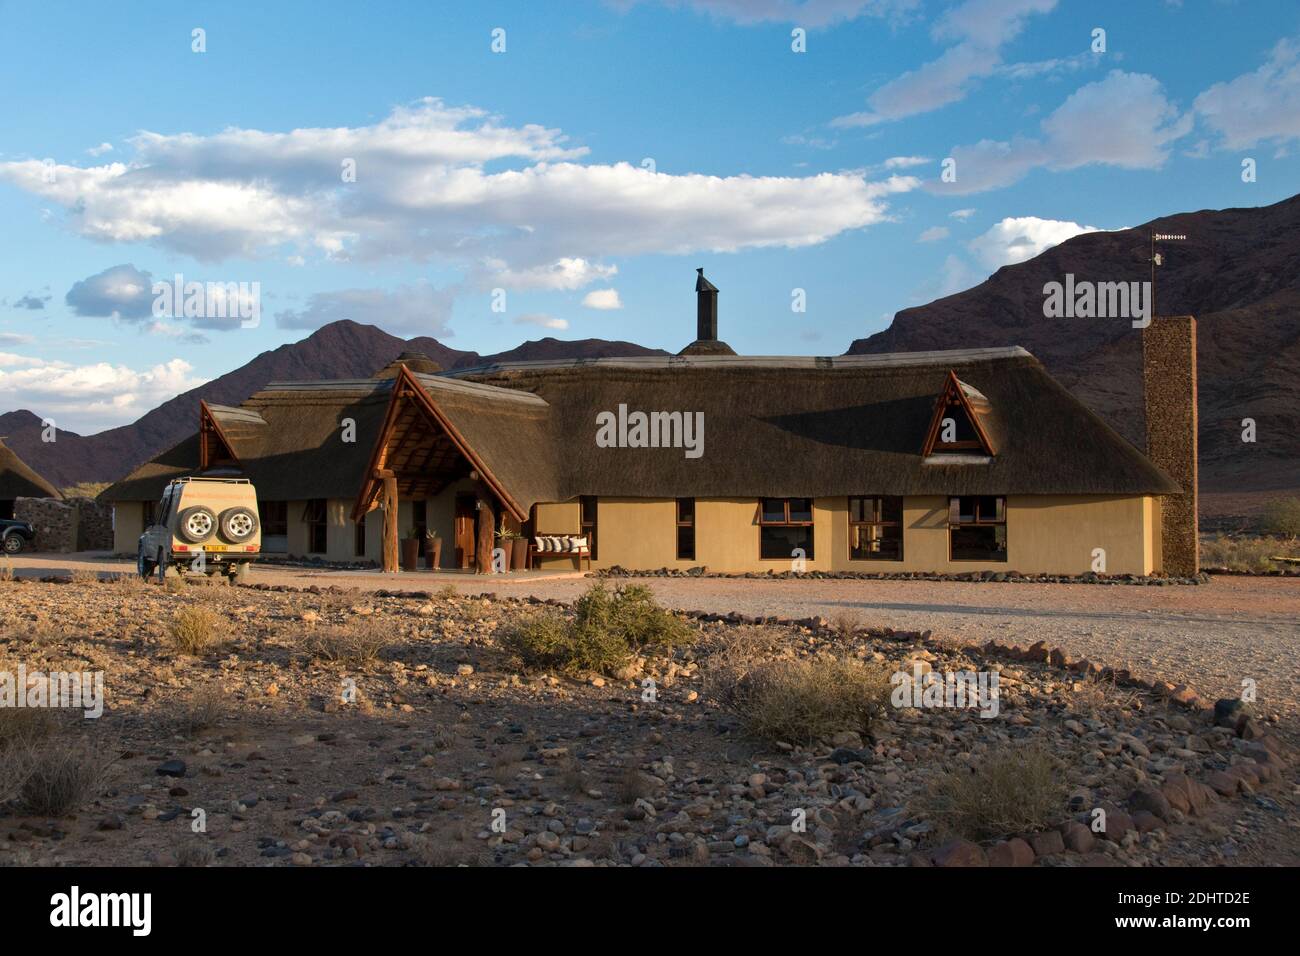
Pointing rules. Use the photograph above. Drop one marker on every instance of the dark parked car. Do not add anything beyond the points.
(15, 535)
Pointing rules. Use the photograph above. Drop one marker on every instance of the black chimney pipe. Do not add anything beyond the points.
(706, 309)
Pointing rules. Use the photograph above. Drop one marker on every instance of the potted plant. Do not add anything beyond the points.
(411, 551)
(513, 545)
(432, 549)
(518, 551)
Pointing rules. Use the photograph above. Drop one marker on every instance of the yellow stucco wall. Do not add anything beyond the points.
(1045, 534)
(128, 525)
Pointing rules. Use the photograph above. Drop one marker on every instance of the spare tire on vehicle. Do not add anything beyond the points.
(196, 524)
(238, 524)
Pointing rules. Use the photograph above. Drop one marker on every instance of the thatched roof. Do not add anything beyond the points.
(17, 480)
(774, 426)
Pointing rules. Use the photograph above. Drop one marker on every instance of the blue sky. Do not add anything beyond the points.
(587, 169)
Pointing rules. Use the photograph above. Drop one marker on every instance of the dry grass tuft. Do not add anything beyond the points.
(845, 624)
(1012, 789)
(57, 775)
(6, 572)
(195, 854)
(356, 643)
(633, 785)
(1246, 553)
(798, 701)
(203, 708)
(195, 631)
(84, 576)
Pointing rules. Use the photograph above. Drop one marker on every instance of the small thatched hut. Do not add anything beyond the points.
(17, 480)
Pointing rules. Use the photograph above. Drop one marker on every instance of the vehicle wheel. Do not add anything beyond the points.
(13, 543)
(238, 572)
(238, 525)
(143, 566)
(196, 524)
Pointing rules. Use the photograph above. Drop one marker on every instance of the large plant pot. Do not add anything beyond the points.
(433, 552)
(410, 554)
(518, 554)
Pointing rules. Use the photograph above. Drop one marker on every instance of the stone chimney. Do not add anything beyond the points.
(1169, 386)
(706, 321)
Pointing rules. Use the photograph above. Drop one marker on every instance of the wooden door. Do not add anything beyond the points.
(466, 512)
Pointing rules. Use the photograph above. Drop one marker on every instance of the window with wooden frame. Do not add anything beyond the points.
(359, 538)
(587, 520)
(876, 528)
(977, 528)
(957, 429)
(685, 529)
(274, 517)
(785, 527)
(317, 522)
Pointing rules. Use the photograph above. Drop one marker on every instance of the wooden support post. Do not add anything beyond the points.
(486, 537)
(390, 552)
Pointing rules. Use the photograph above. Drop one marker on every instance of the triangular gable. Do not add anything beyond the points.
(215, 449)
(407, 389)
(965, 406)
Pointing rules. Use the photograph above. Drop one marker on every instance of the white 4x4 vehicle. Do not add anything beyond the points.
(209, 524)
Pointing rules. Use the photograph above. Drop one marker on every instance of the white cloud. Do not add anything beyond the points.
(906, 162)
(933, 234)
(86, 398)
(603, 299)
(543, 320)
(423, 192)
(563, 274)
(1258, 107)
(119, 292)
(962, 214)
(418, 309)
(1018, 238)
(16, 338)
(1122, 120)
(977, 29)
(101, 149)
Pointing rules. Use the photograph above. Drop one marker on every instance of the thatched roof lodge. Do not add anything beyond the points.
(973, 459)
(18, 480)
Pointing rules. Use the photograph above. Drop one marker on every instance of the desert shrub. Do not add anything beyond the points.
(446, 592)
(84, 576)
(1243, 554)
(194, 630)
(175, 582)
(1282, 516)
(631, 612)
(1011, 789)
(606, 630)
(58, 774)
(203, 708)
(547, 640)
(358, 642)
(802, 701)
(6, 571)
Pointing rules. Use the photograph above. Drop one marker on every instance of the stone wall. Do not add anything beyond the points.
(1169, 384)
(77, 524)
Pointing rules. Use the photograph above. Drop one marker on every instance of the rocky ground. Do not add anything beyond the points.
(440, 751)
